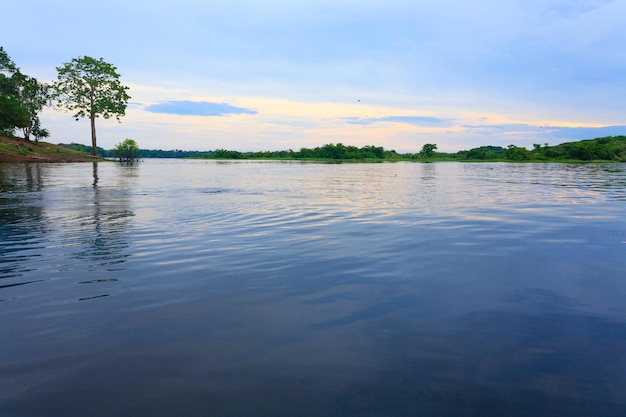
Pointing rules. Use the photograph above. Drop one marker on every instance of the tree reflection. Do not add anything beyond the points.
(95, 174)
(21, 214)
(104, 222)
(78, 213)
(429, 180)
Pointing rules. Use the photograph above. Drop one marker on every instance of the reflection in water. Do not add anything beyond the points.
(197, 288)
(21, 217)
(103, 227)
(44, 212)
(95, 174)
(33, 177)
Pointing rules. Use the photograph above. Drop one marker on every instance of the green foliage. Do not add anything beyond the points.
(610, 148)
(515, 153)
(143, 153)
(484, 153)
(23, 150)
(39, 132)
(33, 96)
(6, 63)
(338, 152)
(12, 113)
(127, 151)
(601, 149)
(428, 150)
(226, 154)
(91, 88)
(176, 153)
(330, 151)
(21, 100)
(87, 149)
(6, 148)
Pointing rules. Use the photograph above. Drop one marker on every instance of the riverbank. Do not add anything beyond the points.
(17, 150)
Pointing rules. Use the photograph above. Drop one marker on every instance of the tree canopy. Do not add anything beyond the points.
(12, 113)
(428, 150)
(33, 96)
(127, 151)
(21, 100)
(90, 87)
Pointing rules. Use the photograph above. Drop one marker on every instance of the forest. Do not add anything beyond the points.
(610, 148)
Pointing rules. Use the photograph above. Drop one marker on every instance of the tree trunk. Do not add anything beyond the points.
(92, 117)
(94, 149)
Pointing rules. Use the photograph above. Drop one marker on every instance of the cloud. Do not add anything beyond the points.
(423, 121)
(554, 131)
(564, 134)
(197, 108)
(569, 8)
(501, 129)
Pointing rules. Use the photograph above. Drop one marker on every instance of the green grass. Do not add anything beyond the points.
(8, 148)
(42, 150)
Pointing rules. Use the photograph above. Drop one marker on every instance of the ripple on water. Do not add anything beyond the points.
(445, 289)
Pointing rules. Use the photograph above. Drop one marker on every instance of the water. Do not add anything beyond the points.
(203, 288)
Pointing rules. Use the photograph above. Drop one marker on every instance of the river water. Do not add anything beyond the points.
(204, 288)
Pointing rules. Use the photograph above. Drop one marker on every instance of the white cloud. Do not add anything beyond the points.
(197, 108)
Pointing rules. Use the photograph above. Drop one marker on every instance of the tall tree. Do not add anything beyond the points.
(12, 114)
(91, 88)
(6, 64)
(33, 96)
(428, 150)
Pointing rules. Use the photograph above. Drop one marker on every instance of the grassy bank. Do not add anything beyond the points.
(15, 150)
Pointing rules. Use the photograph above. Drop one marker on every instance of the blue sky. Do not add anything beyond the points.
(251, 75)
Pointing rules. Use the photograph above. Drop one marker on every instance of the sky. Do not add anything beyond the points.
(286, 74)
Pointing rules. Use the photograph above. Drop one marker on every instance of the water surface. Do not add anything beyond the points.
(199, 288)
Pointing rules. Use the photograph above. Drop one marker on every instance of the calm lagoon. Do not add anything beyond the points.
(204, 288)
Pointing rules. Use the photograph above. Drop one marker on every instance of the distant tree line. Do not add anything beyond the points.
(141, 153)
(610, 148)
(329, 151)
(88, 149)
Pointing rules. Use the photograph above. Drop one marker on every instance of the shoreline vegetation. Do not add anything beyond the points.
(605, 149)
(91, 88)
(18, 150)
